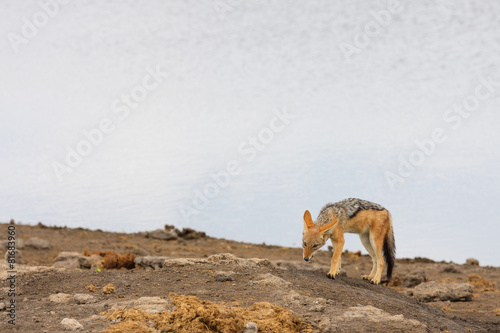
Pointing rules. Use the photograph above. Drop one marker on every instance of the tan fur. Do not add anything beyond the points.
(373, 226)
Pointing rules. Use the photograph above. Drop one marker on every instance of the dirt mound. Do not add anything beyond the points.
(193, 315)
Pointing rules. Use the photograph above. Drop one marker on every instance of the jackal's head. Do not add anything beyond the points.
(314, 236)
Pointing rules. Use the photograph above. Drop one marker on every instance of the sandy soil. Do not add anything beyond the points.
(280, 277)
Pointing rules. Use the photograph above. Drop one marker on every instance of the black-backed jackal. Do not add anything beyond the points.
(371, 221)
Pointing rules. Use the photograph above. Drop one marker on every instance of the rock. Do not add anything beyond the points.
(250, 327)
(224, 276)
(188, 234)
(472, 262)
(317, 308)
(231, 259)
(450, 269)
(60, 298)
(5, 243)
(71, 324)
(84, 299)
(68, 264)
(38, 243)
(413, 279)
(162, 234)
(65, 256)
(151, 304)
(108, 289)
(18, 257)
(150, 261)
(436, 291)
(272, 281)
(70, 260)
(369, 316)
(180, 262)
(217, 259)
(2, 306)
(93, 261)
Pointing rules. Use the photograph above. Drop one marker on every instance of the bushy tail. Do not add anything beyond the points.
(390, 250)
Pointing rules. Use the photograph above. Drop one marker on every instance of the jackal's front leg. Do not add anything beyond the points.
(338, 246)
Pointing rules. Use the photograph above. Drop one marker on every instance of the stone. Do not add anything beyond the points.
(472, 262)
(149, 304)
(272, 281)
(450, 269)
(84, 299)
(436, 291)
(60, 298)
(224, 276)
(38, 243)
(179, 262)
(251, 327)
(5, 243)
(68, 264)
(150, 261)
(2, 306)
(413, 279)
(317, 308)
(66, 255)
(71, 324)
(162, 234)
(70, 260)
(18, 257)
(357, 318)
(93, 261)
(231, 259)
(189, 234)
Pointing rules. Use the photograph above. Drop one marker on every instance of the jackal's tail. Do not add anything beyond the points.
(390, 250)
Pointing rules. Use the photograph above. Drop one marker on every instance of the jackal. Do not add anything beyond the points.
(371, 221)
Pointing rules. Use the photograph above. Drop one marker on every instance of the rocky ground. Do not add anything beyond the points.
(66, 281)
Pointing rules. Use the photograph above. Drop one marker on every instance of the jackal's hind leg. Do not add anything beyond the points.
(377, 246)
(365, 240)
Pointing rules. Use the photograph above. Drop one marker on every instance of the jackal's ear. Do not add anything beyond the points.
(308, 222)
(328, 226)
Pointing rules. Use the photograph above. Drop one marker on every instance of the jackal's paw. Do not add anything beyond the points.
(331, 276)
(365, 277)
(375, 281)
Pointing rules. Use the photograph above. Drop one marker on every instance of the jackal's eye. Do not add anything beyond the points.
(304, 244)
(315, 246)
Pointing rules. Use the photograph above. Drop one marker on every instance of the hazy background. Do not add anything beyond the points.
(231, 65)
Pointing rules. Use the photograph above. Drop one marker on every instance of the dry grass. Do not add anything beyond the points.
(112, 260)
(193, 315)
(481, 283)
